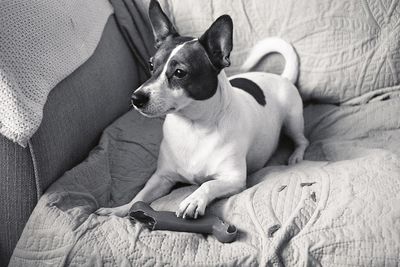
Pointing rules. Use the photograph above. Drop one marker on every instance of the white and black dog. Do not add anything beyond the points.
(216, 130)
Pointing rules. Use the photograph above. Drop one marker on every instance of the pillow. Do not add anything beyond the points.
(347, 48)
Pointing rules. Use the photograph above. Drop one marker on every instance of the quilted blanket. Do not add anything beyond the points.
(340, 207)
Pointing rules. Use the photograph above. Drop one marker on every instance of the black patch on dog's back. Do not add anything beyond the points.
(250, 87)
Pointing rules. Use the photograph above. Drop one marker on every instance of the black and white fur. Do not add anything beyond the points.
(214, 134)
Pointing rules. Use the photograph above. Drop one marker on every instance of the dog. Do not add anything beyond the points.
(216, 130)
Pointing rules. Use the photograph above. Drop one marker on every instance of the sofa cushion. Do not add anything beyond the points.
(347, 48)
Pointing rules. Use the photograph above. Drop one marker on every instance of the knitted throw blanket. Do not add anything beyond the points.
(41, 43)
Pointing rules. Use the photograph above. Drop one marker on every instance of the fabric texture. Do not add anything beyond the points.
(133, 21)
(347, 48)
(42, 42)
(75, 114)
(83, 104)
(18, 195)
(341, 208)
(337, 208)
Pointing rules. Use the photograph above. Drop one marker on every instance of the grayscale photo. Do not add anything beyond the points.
(199, 133)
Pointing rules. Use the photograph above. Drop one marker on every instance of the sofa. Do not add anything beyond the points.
(349, 82)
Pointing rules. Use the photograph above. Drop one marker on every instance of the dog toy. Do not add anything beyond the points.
(166, 220)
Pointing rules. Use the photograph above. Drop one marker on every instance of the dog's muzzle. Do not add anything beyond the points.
(139, 99)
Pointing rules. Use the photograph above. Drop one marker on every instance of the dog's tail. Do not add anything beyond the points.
(271, 45)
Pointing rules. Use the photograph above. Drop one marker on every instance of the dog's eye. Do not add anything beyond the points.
(151, 66)
(180, 73)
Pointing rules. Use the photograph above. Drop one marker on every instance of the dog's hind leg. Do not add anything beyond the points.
(294, 128)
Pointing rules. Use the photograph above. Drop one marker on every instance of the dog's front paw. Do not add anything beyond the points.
(192, 206)
(121, 211)
(296, 157)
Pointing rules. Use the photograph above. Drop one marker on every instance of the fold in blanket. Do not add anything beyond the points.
(132, 19)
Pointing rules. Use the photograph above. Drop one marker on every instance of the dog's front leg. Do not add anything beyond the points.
(196, 203)
(156, 187)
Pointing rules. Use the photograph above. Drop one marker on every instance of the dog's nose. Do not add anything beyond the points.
(139, 99)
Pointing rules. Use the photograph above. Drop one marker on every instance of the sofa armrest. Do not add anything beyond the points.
(18, 194)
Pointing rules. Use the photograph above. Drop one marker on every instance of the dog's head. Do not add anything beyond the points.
(184, 69)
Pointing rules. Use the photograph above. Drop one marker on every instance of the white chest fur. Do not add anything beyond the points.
(192, 151)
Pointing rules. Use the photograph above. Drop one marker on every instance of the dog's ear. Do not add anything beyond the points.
(217, 41)
(162, 26)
